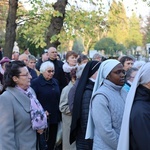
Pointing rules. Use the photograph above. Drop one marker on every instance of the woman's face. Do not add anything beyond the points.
(48, 73)
(23, 80)
(72, 60)
(117, 75)
(31, 64)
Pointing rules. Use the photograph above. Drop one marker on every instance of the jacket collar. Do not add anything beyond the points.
(43, 82)
(20, 97)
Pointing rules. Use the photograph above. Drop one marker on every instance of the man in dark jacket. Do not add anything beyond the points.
(59, 73)
(44, 57)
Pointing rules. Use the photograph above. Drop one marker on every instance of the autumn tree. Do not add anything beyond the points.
(118, 23)
(3, 16)
(134, 36)
(10, 27)
(146, 38)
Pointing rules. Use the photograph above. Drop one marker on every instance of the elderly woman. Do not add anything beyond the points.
(135, 129)
(107, 106)
(18, 107)
(48, 93)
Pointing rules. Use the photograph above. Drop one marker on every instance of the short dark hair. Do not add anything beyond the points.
(70, 53)
(12, 69)
(81, 58)
(125, 58)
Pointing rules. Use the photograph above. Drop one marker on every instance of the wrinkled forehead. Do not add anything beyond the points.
(52, 50)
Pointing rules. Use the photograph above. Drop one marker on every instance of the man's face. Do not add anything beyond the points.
(127, 64)
(24, 58)
(52, 53)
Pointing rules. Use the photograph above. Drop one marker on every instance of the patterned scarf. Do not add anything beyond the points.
(38, 115)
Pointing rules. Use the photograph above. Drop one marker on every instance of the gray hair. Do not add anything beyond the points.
(129, 72)
(32, 57)
(46, 65)
(96, 56)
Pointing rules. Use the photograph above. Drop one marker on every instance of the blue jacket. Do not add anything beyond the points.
(48, 94)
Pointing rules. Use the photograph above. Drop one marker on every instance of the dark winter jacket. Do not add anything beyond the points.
(140, 120)
(38, 64)
(80, 141)
(59, 73)
(48, 94)
(32, 73)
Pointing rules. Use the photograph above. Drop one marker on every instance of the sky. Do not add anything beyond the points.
(140, 9)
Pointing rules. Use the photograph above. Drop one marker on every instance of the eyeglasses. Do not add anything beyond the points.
(118, 72)
(27, 74)
(50, 71)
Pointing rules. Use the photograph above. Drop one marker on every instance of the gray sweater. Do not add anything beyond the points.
(107, 111)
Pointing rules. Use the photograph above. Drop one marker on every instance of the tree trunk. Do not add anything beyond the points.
(10, 28)
(56, 23)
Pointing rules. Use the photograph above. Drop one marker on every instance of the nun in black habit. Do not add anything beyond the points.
(81, 106)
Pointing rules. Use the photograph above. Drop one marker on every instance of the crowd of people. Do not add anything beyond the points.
(101, 104)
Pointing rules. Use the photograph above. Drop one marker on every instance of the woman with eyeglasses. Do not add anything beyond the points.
(19, 119)
(107, 106)
(48, 93)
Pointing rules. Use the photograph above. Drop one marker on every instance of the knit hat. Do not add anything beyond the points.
(5, 59)
(44, 51)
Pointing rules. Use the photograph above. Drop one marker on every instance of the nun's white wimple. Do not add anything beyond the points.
(104, 69)
(141, 77)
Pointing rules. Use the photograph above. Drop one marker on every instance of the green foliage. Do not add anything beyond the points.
(106, 44)
(135, 36)
(3, 16)
(118, 23)
(120, 47)
(78, 45)
(109, 46)
(78, 23)
(86, 24)
(35, 24)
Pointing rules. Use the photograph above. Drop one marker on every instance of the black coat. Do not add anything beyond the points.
(59, 73)
(140, 120)
(38, 64)
(80, 140)
(48, 94)
(32, 73)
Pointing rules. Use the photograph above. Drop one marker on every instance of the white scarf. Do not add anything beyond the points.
(67, 68)
(141, 77)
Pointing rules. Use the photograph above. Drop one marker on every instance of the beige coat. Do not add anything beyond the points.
(66, 117)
